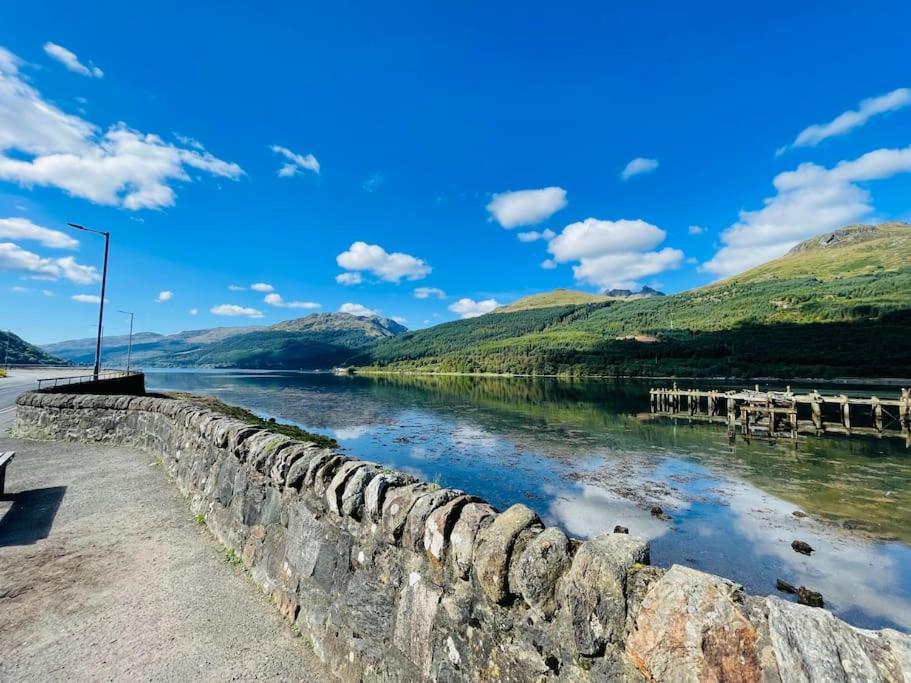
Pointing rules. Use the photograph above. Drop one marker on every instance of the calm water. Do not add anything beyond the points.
(586, 456)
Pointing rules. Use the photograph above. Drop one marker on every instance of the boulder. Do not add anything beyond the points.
(691, 627)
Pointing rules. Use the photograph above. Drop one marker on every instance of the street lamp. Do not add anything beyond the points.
(104, 279)
(130, 346)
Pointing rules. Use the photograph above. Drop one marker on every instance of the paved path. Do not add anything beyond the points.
(104, 575)
(20, 380)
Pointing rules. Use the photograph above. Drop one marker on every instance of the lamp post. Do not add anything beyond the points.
(104, 279)
(130, 345)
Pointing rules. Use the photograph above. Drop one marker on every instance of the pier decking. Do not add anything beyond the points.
(783, 413)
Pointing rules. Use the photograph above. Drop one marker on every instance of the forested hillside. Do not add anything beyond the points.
(836, 305)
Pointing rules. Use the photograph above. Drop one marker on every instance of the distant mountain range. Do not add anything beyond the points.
(837, 305)
(318, 341)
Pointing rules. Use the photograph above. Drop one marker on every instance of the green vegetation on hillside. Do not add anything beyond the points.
(16, 351)
(558, 297)
(836, 306)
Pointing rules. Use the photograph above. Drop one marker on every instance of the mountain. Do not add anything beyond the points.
(558, 297)
(838, 305)
(317, 341)
(16, 351)
(630, 294)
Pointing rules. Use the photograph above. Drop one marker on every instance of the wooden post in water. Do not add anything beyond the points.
(732, 416)
(877, 414)
(846, 413)
(816, 409)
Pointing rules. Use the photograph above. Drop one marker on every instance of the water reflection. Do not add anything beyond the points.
(582, 457)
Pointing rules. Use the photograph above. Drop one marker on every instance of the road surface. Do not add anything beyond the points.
(20, 380)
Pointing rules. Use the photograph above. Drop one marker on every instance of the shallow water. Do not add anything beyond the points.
(585, 455)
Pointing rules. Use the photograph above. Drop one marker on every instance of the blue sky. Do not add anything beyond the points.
(427, 160)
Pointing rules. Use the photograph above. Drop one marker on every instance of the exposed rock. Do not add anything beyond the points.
(493, 550)
(534, 573)
(690, 627)
(658, 513)
(799, 514)
(592, 594)
(620, 530)
(810, 598)
(802, 547)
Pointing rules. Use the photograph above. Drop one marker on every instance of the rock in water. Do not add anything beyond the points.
(620, 530)
(807, 597)
(785, 587)
(802, 547)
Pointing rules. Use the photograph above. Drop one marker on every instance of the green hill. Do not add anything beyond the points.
(838, 305)
(558, 297)
(16, 351)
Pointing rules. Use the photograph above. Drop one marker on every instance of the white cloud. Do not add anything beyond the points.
(399, 319)
(276, 300)
(389, 267)
(71, 62)
(119, 166)
(534, 236)
(612, 253)
(296, 162)
(233, 310)
(47, 292)
(372, 184)
(357, 309)
(193, 311)
(469, 308)
(349, 278)
(15, 258)
(20, 290)
(846, 122)
(526, 207)
(696, 230)
(638, 166)
(166, 295)
(237, 288)
(624, 269)
(261, 287)
(548, 264)
(429, 293)
(24, 229)
(810, 200)
(86, 298)
(593, 237)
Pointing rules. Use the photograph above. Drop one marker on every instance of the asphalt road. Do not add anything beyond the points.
(19, 381)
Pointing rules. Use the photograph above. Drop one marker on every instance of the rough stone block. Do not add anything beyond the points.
(376, 491)
(417, 609)
(493, 550)
(439, 524)
(337, 484)
(592, 594)
(473, 518)
(352, 497)
(413, 533)
(534, 572)
(397, 505)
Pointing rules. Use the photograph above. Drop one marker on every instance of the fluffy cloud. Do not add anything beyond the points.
(469, 308)
(349, 278)
(428, 293)
(276, 300)
(71, 61)
(696, 230)
(810, 199)
(612, 253)
(534, 236)
(548, 264)
(193, 311)
(295, 162)
(638, 166)
(263, 287)
(15, 258)
(389, 267)
(233, 310)
(87, 298)
(357, 309)
(526, 207)
(236, 288)
(849, 120)
(119, 166)
(166, 295)
(24, 229)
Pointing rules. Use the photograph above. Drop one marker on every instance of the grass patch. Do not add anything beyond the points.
(243, 415)
(2, 372)
(200, 519)
(232, 558)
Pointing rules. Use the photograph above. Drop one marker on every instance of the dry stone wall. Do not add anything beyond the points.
(391, 578)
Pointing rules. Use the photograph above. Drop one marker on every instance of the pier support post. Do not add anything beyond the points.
(877, 414)
(816, 410)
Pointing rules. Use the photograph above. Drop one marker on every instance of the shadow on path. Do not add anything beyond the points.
(31, 516)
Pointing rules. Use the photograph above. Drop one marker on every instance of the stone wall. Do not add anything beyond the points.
(391, 578)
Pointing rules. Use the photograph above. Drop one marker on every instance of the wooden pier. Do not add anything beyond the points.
(783, 413)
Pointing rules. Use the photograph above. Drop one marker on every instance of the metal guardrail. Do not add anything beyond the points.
(53, 382)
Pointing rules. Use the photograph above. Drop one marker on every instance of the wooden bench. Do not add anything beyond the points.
(5, 459)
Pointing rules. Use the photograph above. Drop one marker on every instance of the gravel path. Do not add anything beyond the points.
(104, 575)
